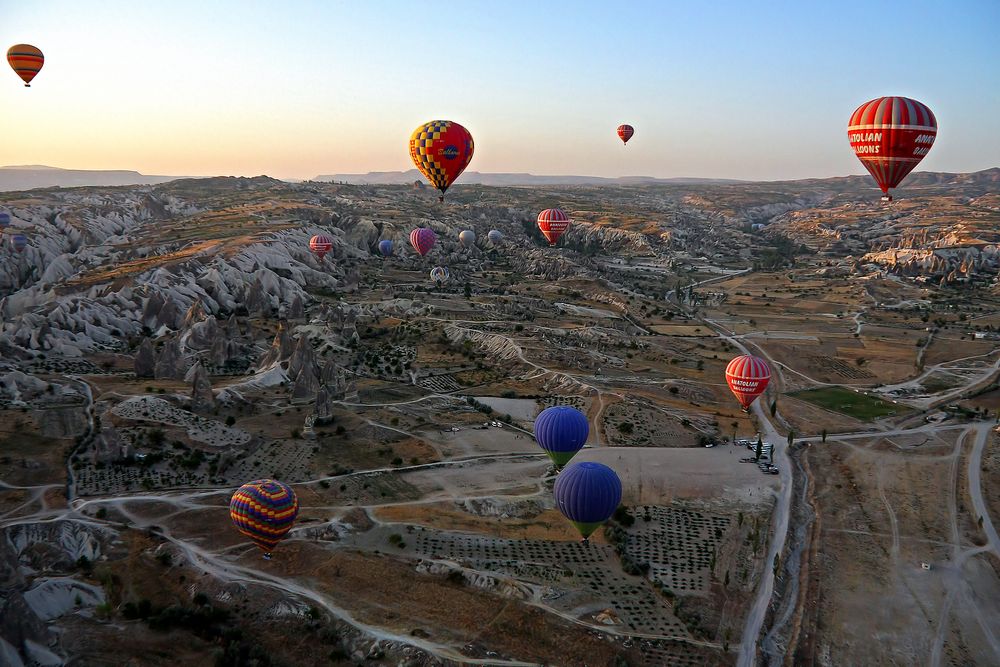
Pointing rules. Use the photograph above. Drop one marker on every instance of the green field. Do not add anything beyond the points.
(848, 402)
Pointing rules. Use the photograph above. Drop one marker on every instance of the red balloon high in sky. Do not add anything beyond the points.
(625, 133)
(891, 135)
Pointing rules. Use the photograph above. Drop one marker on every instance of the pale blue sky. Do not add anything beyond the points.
(295, 89)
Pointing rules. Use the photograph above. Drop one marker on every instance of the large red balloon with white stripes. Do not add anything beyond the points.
(891, 135)
(320, 245)
(553, 222)
(747, 377)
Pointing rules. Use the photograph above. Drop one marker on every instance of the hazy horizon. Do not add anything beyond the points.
(310, 89)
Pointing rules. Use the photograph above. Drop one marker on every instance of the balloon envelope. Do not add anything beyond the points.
(440, 274)
(467, 238)
(891, 135)
(625, 133)
(494, 236)
(26, 60)
(422, 239)
(441, 150)
(4, 220)
(553, 222)
(19, 242)
(264, 510)
(587, 494)
(747, 377)
(320, 245)
(385, 247)
(561, 431)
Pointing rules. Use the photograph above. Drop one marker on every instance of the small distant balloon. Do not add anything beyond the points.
(4, 220)
(385, 247)
(625, 133)
(440, 274)
(264, 510)
(467, 238)
(495, 236)
(26, 61)
(553, 222)
(587, 494)
(320, 245)
(422, 239)
(18, 242)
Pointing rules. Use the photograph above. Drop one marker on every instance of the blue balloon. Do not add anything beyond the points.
(4, 220)
(385, 247)
(587, 494)
(19, 242)
(561, 431)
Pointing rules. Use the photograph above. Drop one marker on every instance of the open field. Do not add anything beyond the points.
(851, 403)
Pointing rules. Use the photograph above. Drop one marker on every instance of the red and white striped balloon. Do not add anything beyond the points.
(320, 245)
(553, 222)
(747, 377)
(625, 133)
(891, 135)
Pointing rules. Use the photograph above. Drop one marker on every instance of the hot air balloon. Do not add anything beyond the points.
(587, 494)
(891, 135)
(561, 431)
(385, 247)
(747, 377)
(320, 245)
(19, 242)
(4, 221)
(26, 60)
(422, 239)
(442, 150)
(495, 236)
(553, 222)
(264, 510)
(467, 238)
(440, 274)
(625, 133)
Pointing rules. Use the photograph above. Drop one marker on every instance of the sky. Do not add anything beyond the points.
(724, 89)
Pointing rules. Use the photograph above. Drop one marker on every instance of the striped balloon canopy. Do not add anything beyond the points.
(495, 236)
(625, 133)
(747, 377)
(553, 222)
(440, 274)
(320, 245)
(19, 242)
(422, 239)
(587, 494)
(561, 431)
(264, 510)
(891, 135)
(26, 61)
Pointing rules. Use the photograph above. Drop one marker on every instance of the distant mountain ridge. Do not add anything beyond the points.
(28, 177)
(509, 179)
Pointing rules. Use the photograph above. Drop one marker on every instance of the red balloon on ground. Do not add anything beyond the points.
(891, 135)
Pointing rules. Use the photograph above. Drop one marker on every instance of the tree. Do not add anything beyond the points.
(823, 435)
(774, 407)
(791, 437)
(760, 449)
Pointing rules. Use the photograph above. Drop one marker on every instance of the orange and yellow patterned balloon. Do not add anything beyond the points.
(442, 150)
(26, 60)
(264, 510)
